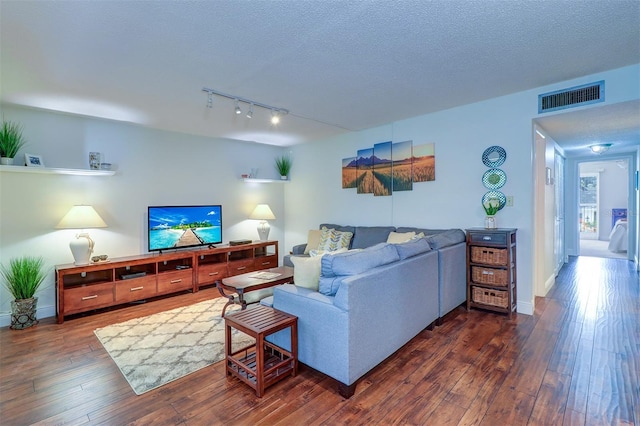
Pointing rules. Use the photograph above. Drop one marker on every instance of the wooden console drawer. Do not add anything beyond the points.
(175, 281)
(135, 289)
(208, 274)
(264, 262)
(84, 298)
(241, 266)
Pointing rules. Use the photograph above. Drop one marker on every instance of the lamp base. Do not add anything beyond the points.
(263, 230)
(81, 248)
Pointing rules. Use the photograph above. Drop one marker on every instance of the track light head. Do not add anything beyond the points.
(210, 100)
(250, 113)
(275, 117)
(238, 110)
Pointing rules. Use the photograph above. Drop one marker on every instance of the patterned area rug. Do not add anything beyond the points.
(155, 350)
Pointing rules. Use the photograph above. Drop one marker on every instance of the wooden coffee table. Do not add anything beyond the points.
(261, 364)
(251, 281)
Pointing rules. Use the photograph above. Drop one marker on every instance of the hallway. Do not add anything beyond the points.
(598, 345)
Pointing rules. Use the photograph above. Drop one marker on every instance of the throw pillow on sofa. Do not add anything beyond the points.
(333, 240)
(397, 237)
(306, 270)
(313, 240)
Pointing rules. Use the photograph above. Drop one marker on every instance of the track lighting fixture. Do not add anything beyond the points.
(276, 113)
(600, 148)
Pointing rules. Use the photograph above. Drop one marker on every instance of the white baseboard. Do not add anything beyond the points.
(41, 313)
(525, 307)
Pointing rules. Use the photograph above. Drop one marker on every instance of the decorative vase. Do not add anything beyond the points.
(6, 161)
(283, 177)
(490, 222)
(23, 313)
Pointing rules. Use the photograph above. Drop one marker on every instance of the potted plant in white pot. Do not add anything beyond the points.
(22, 278)
(283, 165)
(11, 141)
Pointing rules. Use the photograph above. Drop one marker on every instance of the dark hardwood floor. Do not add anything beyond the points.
(575, 362)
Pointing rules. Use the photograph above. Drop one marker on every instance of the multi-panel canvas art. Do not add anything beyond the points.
(389, 167)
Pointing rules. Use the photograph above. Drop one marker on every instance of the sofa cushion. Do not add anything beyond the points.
(439, 238)
(447, 238)
(313, 240)
(413, 248)
(333, 240)
(367, 236)
(335, 268)
(397, 237)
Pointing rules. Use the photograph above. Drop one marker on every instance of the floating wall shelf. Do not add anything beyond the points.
(55, 171)
(253, 180)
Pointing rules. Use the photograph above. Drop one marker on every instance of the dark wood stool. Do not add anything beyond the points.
(262, 364)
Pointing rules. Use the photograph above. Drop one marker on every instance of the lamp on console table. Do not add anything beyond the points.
(81, 217)
(262, 212)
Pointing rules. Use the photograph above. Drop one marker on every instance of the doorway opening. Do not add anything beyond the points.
(602, 209)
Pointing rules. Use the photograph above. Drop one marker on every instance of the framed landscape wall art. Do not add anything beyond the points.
(382, 169)
(349, 172)
(389, 167)
(364, 165)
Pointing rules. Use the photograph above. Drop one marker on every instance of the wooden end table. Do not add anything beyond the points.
(262, 364)
(251, 281)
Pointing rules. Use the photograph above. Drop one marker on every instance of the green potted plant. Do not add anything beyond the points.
(283, 165)
(22, 278)
(11, 141)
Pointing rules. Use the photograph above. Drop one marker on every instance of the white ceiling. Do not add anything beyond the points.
(335, 65)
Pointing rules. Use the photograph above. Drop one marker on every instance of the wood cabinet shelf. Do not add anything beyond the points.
(82, 288)
(491, 270)
(57, 171)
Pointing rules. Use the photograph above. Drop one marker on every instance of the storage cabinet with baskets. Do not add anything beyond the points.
(491, 270)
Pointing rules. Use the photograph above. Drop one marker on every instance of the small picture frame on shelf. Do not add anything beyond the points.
(31, 160)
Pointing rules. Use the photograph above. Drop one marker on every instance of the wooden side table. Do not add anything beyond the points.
(262, 364)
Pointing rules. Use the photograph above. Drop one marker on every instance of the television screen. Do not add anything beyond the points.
(174, 227)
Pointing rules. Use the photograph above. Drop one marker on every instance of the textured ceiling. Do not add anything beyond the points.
(335, 65)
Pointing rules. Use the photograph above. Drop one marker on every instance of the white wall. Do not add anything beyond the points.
(453, 199)
(157, 167)
(153, 168)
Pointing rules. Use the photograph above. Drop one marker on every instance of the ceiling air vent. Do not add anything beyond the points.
(573, 97)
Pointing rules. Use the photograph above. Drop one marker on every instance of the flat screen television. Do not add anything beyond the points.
(176, 227)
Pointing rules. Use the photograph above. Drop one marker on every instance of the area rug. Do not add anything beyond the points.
(155, 350)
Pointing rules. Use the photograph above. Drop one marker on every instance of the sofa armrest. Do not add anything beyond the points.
(299, 249)
(323, 336)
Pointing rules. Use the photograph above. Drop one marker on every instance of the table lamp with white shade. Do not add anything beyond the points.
(81, 217)
(262, 212)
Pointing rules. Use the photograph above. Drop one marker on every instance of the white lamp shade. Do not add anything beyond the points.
(262, 212)
(81, 217)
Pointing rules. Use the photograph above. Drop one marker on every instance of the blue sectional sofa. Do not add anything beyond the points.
(378, 299)
(449, 243)
(372, 302)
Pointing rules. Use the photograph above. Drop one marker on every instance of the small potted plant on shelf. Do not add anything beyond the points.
(22, 278)
(11, 141)
(283, 165)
